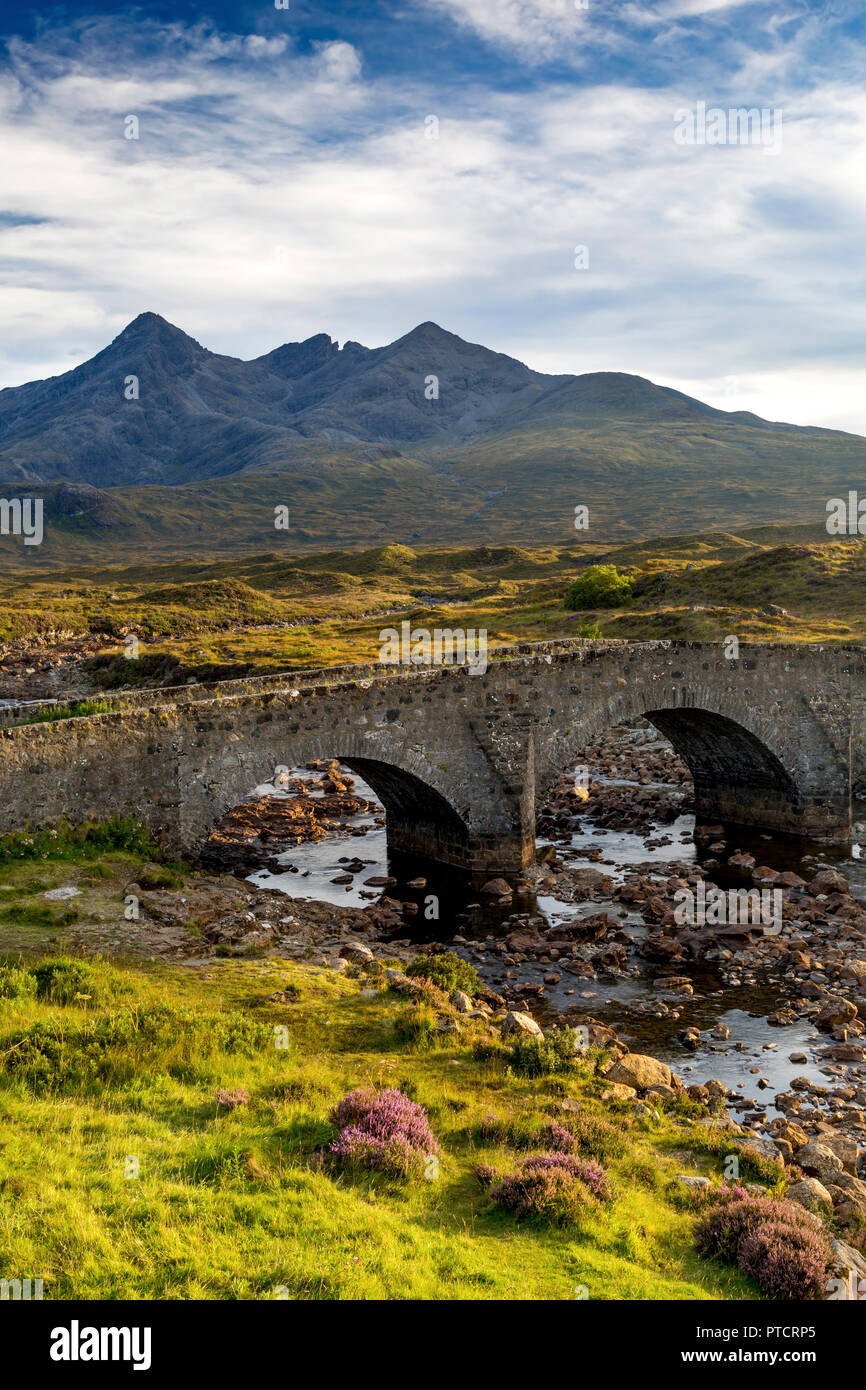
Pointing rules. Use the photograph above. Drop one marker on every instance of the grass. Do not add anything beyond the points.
(110, 1068)
(218, 620)
(77, 709)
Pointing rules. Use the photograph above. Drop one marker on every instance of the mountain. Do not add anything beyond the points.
(429, 439)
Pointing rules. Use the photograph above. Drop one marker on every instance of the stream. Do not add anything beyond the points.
(754, 1061)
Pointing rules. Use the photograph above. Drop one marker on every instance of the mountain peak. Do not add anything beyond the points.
(428, 332)
(151, 325)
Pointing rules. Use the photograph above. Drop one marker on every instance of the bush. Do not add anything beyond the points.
(555, 1138)
(600, 586)
(787, 1261)
(555, 1052)
(382, 1130)
(16, 984)
(553, 1187)
(590, 1173)
(734, 1217)
(591, 1133)
(230, 1100)
(64, 981)
(782, 1246)
(447, 970)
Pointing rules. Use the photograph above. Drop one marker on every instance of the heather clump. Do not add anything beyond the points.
(733, 1218)
(787, 1261)
(231, 1100)
(554, 1187)
(383, 1131)
(585, 1170)
(782, 1246)
(556, 1139)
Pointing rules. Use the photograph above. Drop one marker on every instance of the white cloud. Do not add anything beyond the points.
(275, 196)
(537, 27)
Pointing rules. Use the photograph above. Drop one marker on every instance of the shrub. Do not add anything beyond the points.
(553, 1187)
(787, 1261)
(485, 1173)
(555, 1138)
(382, 1130)
(16, 984)
(447, 970)
(600, 586)
(534, 1056)
(733, 1218)
(590, 1173)
(64, 981)
(596, 1135)
(782, 1246)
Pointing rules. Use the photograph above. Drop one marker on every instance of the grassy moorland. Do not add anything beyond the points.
(270, 611)
(122, 1178)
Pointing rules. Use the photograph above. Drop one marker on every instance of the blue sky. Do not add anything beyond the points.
(285, 183)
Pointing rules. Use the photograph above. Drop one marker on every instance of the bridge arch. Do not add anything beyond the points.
(429, 809)
(748, 763)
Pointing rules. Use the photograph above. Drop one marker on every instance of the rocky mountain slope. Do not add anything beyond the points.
(428, 440)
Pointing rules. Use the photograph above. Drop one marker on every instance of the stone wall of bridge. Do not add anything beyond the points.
(460, 761)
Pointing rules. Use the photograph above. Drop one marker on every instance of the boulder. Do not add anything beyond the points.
(497, 888)
(356, 952)
(515, 1023)
(835, 1011)
(819, 1160)
(524, 939)
(619, 1092)
(766, 1148)
(810, 1193)
(849, 1197)
(845, 1148)
(639, 1071)
(829, 881)
(850, 1280)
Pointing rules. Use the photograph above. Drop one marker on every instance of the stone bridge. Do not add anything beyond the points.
(462, 761)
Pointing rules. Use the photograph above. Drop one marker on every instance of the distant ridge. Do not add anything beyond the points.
(155, 406)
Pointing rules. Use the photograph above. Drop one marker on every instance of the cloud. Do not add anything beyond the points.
(273, 195)
(538, 27)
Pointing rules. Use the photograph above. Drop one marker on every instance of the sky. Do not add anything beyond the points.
(534, 175)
